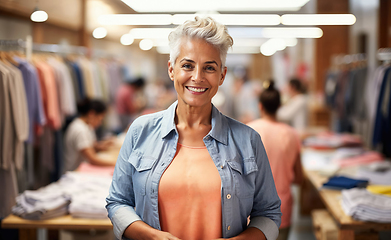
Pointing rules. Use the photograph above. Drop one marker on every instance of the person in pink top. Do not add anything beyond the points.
(282, 144)
(130, 100)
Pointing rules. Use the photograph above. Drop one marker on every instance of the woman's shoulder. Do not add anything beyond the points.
(239, 128)
(150, 119)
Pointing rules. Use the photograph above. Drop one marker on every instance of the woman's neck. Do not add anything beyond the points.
(269, 117)
(193, 124)
(189, 116)
(84, 119)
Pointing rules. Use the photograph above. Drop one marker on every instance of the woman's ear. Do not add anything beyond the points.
(170, 71)
(260, 107)
(223, 74)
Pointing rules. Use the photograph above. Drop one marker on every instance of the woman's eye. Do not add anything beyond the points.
(210, 68)
(187, 66)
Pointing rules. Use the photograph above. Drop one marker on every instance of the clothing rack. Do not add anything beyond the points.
(36, 47)
(343, 59)
(12, 43)
(384, 54)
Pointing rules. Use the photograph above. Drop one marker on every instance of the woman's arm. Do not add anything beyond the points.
(121, 200)
(265, 215)
(93, 158)
(103, 145)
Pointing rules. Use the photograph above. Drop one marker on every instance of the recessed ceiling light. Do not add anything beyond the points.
(318, 19)
(39, 16)
(99, 33)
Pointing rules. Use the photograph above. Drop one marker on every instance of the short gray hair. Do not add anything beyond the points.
(202, 28)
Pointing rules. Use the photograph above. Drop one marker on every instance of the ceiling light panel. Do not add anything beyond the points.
(238, 33)
(233, 19)
(135, 19)
(215, 5)
(318, 19)
(150, 33)
(278, 32)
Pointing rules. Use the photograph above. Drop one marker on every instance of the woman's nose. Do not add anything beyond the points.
(198, 75)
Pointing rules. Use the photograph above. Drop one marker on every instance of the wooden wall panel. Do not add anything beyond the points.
(260, 68)
(384, 24)
(335, 40)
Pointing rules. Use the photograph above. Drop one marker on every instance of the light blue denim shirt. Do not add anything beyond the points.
(247, 185)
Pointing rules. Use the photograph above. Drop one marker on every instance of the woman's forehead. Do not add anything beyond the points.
(198, 49)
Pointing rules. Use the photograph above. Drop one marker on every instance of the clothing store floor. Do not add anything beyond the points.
(301, 226)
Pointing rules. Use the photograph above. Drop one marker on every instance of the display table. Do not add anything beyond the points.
(64, 222)
(27, 228)
(349, 228)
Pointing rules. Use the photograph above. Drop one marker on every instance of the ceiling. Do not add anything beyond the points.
(60, 12)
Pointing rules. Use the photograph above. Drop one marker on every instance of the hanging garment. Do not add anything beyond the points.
(14, 130)
(49, 94)
(382, 128)
(16, 121)
(33, 95)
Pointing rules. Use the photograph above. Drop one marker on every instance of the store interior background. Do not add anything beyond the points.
(72, 22)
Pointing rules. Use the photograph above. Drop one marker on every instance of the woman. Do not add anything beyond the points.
(130, 100)
(190, 172)
(294, 112)
(282, 145)
(80, 139)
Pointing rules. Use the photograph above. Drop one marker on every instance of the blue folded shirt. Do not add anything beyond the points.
(341, 182)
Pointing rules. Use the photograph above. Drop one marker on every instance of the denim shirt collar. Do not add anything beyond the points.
(219, 129)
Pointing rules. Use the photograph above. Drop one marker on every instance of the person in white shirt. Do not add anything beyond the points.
(80, 138)
(295, 111)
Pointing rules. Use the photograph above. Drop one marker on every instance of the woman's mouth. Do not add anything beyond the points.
(197, 89)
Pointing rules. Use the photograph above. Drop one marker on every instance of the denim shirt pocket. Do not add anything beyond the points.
(143, 166)
(243, 172)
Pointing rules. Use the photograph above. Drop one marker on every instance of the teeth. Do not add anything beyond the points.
(197, 89)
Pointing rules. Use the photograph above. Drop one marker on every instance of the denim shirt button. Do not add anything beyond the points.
(228, 197)
(229, 228)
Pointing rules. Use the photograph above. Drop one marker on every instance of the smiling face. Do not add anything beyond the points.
(197, 73)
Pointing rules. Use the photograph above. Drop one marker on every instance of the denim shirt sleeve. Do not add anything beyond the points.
(121, 201)
(266, 214)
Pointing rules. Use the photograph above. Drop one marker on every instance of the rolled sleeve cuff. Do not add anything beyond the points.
(122, 218)
(266, 225)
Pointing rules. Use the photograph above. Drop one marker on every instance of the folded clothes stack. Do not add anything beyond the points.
(365, 206)
(329, 140)
(80, 194)
(377, 173)
(89, 205)
(364, 158)
(44, 203)
(342, 182)
(89, 192)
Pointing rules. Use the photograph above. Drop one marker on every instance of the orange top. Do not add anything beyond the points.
(190, 196)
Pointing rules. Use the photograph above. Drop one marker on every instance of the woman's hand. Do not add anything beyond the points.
(250, 233)
(104, 145)
(165, 236)
(139, 230)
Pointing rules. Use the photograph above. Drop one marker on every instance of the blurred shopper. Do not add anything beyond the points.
(80, 139)
(295, 110)
(282, 146)
(245, 94)
(130, 100)
(189, 172)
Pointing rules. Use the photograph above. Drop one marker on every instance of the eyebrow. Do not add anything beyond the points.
(189, 60)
